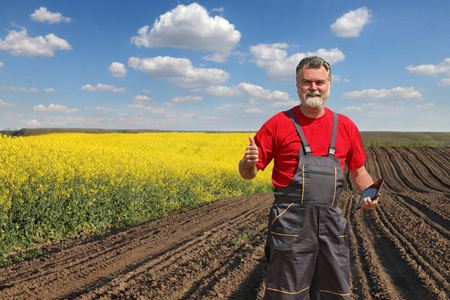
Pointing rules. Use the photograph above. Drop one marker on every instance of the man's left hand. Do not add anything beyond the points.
(368, 203)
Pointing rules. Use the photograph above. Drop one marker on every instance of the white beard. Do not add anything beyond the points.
(316, 103)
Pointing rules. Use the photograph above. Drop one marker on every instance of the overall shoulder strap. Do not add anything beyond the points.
(332, 149)
(305, 144)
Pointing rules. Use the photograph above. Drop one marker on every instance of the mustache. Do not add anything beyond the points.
(313, 93)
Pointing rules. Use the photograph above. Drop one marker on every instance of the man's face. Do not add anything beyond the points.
(313, 87)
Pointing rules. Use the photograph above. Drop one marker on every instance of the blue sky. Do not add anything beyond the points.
(220, 65)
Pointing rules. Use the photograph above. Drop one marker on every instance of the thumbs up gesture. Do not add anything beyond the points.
(251, 153)
(247, 165)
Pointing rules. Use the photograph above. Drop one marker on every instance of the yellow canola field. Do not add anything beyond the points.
(57, 185)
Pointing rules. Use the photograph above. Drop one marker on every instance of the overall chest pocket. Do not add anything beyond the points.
(322, 180)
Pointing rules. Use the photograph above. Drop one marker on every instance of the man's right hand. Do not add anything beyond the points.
(247, 166)
(251, 153)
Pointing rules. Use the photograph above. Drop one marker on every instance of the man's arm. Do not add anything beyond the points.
(247, 166)
(363, 180)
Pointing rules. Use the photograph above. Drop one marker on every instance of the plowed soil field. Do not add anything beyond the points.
(400, 250)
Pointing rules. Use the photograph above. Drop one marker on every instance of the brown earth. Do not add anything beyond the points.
(400, 250)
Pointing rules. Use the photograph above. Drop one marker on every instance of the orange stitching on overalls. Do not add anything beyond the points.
(335, 181)
(282, 212)
(283, 234)
(324, 291)
(290, 293)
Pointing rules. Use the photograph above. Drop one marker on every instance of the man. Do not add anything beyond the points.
(307, 237)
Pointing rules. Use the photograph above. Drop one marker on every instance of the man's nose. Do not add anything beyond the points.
(313, 86)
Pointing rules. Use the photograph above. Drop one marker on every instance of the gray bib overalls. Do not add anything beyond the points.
(307, 236)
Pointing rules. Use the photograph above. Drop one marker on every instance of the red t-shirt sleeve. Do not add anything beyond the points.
(356, 155)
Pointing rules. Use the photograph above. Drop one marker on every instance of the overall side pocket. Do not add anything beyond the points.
(283, 226)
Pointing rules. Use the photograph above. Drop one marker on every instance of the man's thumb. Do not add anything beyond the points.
(252, 140)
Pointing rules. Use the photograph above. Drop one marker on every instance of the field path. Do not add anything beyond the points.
(400, 250)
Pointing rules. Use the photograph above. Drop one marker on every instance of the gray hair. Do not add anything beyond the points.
(314, 62)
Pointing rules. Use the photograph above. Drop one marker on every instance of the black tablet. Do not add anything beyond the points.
(372, 191)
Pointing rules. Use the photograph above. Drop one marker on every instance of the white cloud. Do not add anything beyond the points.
(425, 105)
(155, 110)
(189, 27)
(379, 106)
(253, 110)
(117, 69)
(431, 70)
(100, 109)
(102, 87)
(55, 107)
(147, 91)
(285, 104)
(217, 57)
(4, 104)
(187, 119)
(352, 108)
(383, 110)
(50, 90)
(187, 99)
(257, 94)
(395, 94)
(150, 109)
(245, 89)
(140, 99)
(19, 43)
(1, 64)
(57, 121)
(337, 78)
(351, 24)
(34, 123)
(279, 66)
(134, 121)
(43, 15)
(141, 102)
(18, 89)
(244, 107)
(444, 82)
(220, 9)
(377, 109)
(179, 71)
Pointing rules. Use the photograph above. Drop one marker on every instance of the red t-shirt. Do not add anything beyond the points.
(278, 139)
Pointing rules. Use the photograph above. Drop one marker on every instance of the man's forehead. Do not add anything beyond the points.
(308, 71)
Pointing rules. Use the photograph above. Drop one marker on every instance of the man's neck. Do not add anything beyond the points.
(312, 113)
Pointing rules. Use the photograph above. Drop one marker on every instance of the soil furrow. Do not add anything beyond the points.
(426, 244)
(428, 215)
(358, 276)
(404, 172)
(203, 261)
(394, 180)
(422, 171)
(437, 158)
(372, 163)
(378, 282)
(431, 280)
